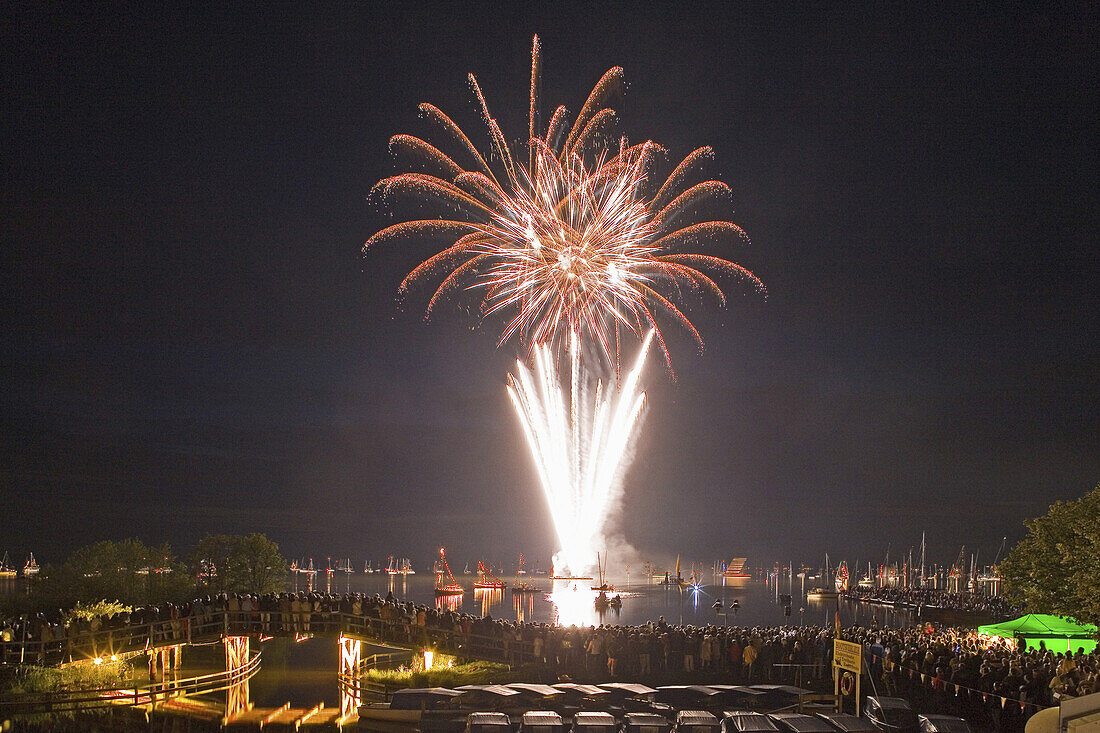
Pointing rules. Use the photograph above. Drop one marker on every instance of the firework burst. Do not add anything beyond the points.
(573, 241)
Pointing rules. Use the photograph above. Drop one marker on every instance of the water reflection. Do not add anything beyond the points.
(488, 598)
(573, 605)
(449, 603)
(523, 604)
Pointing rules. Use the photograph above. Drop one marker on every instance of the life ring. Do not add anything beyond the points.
(847, 683)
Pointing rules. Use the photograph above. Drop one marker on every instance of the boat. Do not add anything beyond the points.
(367, 569)
(399, 567)
(841, 581)
(604, 587)
(486, 579)
(31, 568)
(445, 583)
(522, 586)
(735, 574)
(840, 584)
(6, 570)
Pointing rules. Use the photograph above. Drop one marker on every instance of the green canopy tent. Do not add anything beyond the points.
(1056, 633)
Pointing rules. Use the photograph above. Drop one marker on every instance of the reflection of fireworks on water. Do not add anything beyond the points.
(579, 431)
(574, 242)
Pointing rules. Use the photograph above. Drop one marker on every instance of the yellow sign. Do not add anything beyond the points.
(848, 655)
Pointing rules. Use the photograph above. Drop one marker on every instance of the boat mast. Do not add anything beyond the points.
(922, 559)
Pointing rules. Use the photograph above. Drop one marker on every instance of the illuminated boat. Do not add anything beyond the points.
(31, 568)
(445, 583)
(486, 579)
(842, 577)
(6, 570)
(520, 587)
(735, 574)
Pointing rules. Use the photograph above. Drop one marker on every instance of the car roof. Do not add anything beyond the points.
(802, 723)
(544, 717)
(585, 689)
(946, 723)
(738, 688)
(696, 717)
(891, 702)
(646, 718)
(593, 718)
(748, 720)
(489, 718)
(847, 722)
(536, 688)
(631, 687)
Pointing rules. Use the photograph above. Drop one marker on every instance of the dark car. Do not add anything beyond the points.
(685, 697)
(696, 721)
(891, 715)
(488, 723)
(943, 724)
(847, 723)
(737, 697)
(744, 721)
(799, 723)
(645, 723)
(634, 698)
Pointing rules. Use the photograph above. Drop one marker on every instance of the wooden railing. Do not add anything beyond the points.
(104, 642)
(100, 697)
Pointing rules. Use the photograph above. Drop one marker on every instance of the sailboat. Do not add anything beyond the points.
(486, 579)
(31, 568)
(842, 577)
(6, 570)
(823, 594)
(445, 583)
(367, 569)
(522, 586)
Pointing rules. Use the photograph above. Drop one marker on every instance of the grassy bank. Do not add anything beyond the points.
(474, 673)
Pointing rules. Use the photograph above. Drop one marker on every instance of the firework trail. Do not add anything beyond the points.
(579, 437)
(574, 244)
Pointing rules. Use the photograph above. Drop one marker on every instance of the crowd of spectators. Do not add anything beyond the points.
(951, 670)
(976, 603)
(994, 682)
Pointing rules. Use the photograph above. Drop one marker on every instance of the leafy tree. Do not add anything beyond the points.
(239, 564)
(1054, 569)
(127, 571)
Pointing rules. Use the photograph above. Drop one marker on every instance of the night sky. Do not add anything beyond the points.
(192, 340)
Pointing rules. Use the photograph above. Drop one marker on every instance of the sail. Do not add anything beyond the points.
(842, 577)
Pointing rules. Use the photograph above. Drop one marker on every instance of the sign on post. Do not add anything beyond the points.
(848, 655)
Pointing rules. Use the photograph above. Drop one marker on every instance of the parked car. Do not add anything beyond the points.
(593, 722)
(744, 721)
(488, 723)
(943, 724)
(696, 721)
(685, 697)
(645, 723)
(799, 723)
(846, 723)
(541, 721)
(891, 715)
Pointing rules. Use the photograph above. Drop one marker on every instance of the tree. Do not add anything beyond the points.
(240, 564)
(128, 571)
(1054, 569)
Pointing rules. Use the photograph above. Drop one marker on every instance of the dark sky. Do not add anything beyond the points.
(193, 342)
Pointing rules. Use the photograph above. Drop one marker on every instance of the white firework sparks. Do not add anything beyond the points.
(580, 431)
